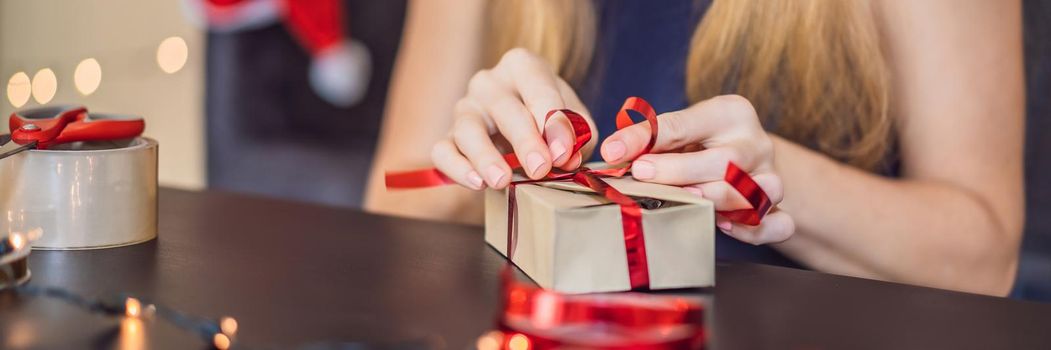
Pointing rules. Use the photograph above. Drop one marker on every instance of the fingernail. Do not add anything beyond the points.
(724, 224)
(495, 174)
(695, 190)
(614, 150)
(642, 170)
(475, 180)
(557, 151)
(577, 161)
(534, 161)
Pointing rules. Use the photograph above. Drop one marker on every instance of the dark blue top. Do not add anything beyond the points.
(641, 51)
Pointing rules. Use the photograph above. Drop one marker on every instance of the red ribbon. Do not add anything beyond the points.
(552, 320)
(631, 213)
(625, 321)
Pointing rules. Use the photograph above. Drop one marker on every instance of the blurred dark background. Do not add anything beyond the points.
(1034, 273)
(269, 134)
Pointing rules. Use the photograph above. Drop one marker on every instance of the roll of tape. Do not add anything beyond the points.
(82, 196)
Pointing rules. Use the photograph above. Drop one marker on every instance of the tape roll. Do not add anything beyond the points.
(82, 195)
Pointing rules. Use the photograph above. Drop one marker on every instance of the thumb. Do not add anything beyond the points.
(566, 131)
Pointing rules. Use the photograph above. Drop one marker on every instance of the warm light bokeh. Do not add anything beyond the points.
(45, 85)
(132, 307)
(221, 341)
(19, 89)
(172, 54)
(518, 342)
(87, 76)
(132, 334)
(228, 325)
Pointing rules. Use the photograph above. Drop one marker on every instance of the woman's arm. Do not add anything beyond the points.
(439, 52)
(955, 218)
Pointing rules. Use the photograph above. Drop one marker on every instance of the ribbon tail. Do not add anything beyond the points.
(422, 178)
(631, 221)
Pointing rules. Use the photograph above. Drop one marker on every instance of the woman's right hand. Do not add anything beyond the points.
(505, 107)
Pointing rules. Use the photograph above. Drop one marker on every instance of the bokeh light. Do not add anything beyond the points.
(45, 84)
(221, 341)
(490, 341)
(132, 307)
(518, 342)
(132, 334)
(87, 76)
(172, 54)
(19, 89)
(228, 325)
(17, 240)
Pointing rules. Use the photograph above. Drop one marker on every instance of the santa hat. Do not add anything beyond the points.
(340, 66)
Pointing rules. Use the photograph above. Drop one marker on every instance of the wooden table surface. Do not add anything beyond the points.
(305, 276)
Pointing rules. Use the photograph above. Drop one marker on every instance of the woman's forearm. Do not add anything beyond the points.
(857, 223)
(438, 53)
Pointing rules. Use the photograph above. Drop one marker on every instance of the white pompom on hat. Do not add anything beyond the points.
(340, 73)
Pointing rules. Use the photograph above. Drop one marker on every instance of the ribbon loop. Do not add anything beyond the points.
(639, 105)
(581, 128)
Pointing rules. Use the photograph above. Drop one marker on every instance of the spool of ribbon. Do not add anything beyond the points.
(549, 320)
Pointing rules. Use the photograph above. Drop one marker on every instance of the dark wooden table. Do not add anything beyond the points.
(297, 275)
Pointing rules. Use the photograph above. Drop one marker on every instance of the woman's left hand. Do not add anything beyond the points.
(693, 149)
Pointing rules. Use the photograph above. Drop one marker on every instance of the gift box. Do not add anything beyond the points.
(571, 240)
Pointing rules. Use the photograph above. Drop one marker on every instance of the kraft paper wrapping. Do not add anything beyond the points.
(568, 241)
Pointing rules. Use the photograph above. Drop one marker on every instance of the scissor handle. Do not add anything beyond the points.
(42, 124)
(64, 124)
(101, 127)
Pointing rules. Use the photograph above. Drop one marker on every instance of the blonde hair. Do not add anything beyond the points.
(813, 69)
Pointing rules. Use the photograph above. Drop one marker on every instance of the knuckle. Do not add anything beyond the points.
(774, 188)
(515, 56)
(462, 107)
(524, 144)
(507, 106)
(764, 146)
(479, 80)
(735, 105)
(727, 155)
(746, 156)
(461, 131)
(736, 111)
(438, 151)
(549, 95)
(518, 58)
(542, 104)
(671, 128)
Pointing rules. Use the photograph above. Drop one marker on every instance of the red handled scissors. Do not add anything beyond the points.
(40, 128)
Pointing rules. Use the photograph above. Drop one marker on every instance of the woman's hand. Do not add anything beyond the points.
(506, 106)
(692, 150)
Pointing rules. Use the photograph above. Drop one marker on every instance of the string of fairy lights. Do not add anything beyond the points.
(14, 252)
(217, 333)
(220, 333)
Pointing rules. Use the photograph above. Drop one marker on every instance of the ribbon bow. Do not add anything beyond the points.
(630, 211)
